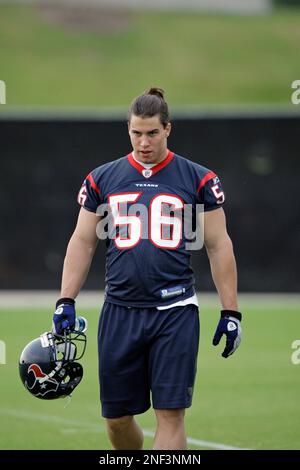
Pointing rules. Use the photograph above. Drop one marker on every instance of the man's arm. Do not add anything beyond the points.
(80, 252)
(222, 261)
(223, 268)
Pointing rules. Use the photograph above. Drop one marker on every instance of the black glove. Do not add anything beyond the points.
(229, 325)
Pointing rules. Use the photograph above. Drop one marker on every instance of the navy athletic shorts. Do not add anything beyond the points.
(143, 351)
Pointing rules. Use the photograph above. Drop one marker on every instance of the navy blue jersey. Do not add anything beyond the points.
(147, 261)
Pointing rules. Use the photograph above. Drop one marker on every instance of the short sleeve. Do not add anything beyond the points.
(210, 192)
(89, 195)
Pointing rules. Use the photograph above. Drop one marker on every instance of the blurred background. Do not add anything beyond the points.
(70, 70)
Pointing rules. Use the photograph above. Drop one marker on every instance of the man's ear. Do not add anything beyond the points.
(168, 129)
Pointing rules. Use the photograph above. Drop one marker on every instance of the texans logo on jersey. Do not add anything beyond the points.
(40, 387)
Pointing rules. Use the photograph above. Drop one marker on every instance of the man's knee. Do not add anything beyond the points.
(170, 416)
(118, 425)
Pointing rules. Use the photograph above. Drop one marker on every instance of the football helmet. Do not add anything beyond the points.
(48, 367)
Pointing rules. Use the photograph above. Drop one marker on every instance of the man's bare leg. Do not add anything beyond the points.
(170, 431)
(124, 433)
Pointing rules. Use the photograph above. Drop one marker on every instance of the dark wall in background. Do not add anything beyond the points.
(43, 163)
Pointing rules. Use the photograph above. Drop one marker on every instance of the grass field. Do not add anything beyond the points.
(199, 59)
(250, 400)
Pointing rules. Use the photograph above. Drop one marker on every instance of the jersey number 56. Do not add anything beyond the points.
(157, 221)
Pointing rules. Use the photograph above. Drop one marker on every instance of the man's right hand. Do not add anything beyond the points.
(64, 316)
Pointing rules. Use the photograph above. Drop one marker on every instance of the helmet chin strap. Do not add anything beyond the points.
(69, 398)
(51, 374)
(67, 355)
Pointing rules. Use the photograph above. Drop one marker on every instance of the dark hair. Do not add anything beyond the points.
(150, 104)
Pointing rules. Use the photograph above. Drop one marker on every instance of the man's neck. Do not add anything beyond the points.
(150, 165)
(145, 165)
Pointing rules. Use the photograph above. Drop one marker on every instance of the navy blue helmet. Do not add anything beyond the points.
(48, 365)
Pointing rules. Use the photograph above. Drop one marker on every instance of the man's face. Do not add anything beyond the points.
(148, 138)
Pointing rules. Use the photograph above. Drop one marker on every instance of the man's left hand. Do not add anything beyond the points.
(230, 326)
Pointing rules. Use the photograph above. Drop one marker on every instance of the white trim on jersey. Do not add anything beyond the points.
(190, 301)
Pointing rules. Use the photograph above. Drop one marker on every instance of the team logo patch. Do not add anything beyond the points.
(147, 173)
(40, 385)
(231, 326)
(59, 311)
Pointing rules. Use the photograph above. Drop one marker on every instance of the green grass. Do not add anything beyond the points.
(250, 400)
(199, 59)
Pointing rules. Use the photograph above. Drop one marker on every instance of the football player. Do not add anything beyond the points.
(149, 325)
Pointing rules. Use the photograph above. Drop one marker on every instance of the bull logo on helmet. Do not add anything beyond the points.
(41, 383)
(48, 365)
